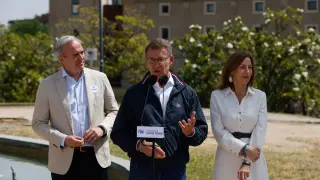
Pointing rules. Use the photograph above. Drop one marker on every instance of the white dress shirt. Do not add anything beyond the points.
(228, 116)
(164, 93)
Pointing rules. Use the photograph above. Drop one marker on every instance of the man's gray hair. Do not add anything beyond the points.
(158, 44)
(61, 42)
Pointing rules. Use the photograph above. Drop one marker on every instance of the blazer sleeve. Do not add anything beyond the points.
(41, 117)
(201, 126)
(110, 106)
(260, 130)
(224, 138)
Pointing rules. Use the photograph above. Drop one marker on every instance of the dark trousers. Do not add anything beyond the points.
(140, 171)
(84, 166)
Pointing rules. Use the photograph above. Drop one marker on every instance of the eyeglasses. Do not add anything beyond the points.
(159, 60)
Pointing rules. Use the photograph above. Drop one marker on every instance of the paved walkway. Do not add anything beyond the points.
(26, 112)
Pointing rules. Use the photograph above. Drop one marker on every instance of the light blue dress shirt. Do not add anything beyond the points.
(78, 103)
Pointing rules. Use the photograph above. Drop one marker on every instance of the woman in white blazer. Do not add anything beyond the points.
(239, 122)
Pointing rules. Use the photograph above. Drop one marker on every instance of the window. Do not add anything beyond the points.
(165, 32)
(116, 2)
(257, 27)
(75, 7)
(258, 6)
(313, 26)
(209, 28)
(311, 5)
(164, 9)
(210, 8)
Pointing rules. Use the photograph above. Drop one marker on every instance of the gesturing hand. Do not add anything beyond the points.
(188, 128)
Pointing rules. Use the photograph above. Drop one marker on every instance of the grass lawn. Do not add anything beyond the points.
(298, 164)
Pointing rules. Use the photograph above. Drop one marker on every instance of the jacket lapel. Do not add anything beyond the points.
(90, 92)
(61, 85)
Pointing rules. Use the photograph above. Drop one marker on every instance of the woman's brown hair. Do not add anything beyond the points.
(232, 63)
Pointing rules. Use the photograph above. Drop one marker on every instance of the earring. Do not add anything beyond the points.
(230, 79)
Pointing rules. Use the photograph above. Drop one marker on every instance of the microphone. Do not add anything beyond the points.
(163, 80)
(152, 79)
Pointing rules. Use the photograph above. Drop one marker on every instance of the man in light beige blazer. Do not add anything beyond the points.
(75, 111)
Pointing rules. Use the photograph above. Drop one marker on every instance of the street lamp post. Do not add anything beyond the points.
(101, 36)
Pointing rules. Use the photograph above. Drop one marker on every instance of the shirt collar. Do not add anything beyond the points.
(228, 90)
(171, 79)
(65, 74)
(251, 91)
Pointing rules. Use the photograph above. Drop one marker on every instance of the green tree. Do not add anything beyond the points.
(24, 61)
(287, 59)
(124, 40)
(32, 27)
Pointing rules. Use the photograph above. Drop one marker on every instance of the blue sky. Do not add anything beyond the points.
(21, 9)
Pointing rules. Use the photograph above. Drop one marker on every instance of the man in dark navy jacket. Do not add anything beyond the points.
(174, 106)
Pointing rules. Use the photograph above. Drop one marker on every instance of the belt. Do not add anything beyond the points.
(240, 135)
(84, 148)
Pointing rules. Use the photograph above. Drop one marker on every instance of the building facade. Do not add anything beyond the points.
(172, 18)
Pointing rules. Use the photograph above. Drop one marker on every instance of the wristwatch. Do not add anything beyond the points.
(247, 162)
(103, 130)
